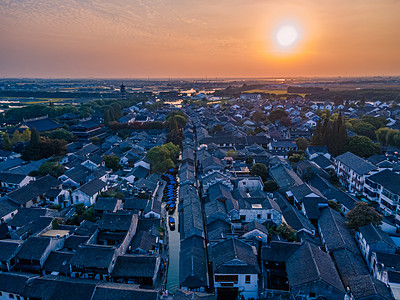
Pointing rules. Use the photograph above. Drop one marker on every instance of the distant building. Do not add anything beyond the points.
(87, 129)
(40, 123)
(123, 91)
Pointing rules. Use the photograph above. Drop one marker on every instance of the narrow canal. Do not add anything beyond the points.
(174, 245)
(174, 248)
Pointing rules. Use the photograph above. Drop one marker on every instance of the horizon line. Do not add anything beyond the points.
(207, 78)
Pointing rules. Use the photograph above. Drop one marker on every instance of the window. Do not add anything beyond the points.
(269, 216)
(258, 216)
(248, 278)
(11, 296)
(243, 218)
(312, 295)
(226, 278)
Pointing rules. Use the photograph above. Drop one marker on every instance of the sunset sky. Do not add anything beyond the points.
(198, 38)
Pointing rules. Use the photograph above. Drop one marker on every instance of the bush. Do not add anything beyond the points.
(361, 215)
(270, 186)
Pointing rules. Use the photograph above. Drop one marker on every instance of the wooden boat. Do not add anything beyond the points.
(171, 222)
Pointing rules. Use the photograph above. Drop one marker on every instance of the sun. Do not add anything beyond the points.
(287, 36)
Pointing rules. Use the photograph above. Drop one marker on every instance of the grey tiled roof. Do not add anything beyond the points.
(58, 262)
(33, 248)
(193, 263)
(309, 264)
(140, 266)
(8, 249)
(372, 234)
(93, 257)
(110, 290)
(14, 283)
(356, 163)
(93, 187)
(279, 251)
(233, 256)
(335, 231)
(368, 287)
(388, 179)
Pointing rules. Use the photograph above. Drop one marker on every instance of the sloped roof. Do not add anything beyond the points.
(233, 256)
(135, 266)
(367, 286)
(279, 251)
(93, 257)
(105, 204)
(42, 124)
(373, 234)
(14, 283)
(335, 231)
(58, 262)
(33, 189)
(11, 178)
(8, 249)
(388, 179)
(284, 177)
(109, 290)
(33, 248)
(309, 264)
(193, 263)
(356, 163)
(119, 221)
(93, 187)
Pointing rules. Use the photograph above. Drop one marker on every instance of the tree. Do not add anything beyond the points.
(387, 136)
(285, 121)
(61, 134)
(259, 169)
(277, 114)
(302, 143)
(175, 135)
(7, 142)
(270, 186)
(33, 150)
(258, 116)
(296, 157)
(80, 208)
(217, 127)
(316, 139)
(173, 151)
(362, 146)
(162, 157)
(231, 153)
(26, 135)
(332, 133)
(112, 162)
(365, 129)
(181, 120)
(362, 102)
(334, 205)
(52, 168)
(179, 117)
(287, 232)
(338, 101)
(16, 137)
(361, 215)
(35, 138)
(89, 214)
(50, 147)
(107, 116)
(54, 224)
